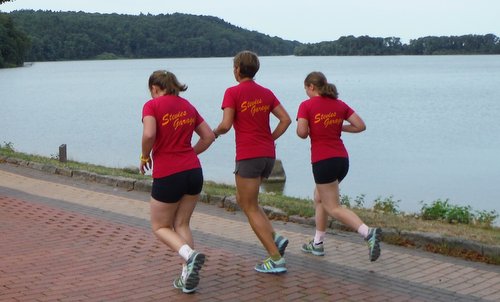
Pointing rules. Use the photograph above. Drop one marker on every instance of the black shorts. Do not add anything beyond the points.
(170, 189)
(254, 167)
(331, 169)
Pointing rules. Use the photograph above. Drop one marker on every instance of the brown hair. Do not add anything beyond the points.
(167, 81)
(248, 62)
(319, 81)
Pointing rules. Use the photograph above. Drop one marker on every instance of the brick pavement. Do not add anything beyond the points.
(64, 240)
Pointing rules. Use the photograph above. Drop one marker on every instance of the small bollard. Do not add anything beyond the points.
(62, 153)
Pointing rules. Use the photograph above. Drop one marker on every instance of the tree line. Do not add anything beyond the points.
(365, 45)
(29, 35)
(79, 35)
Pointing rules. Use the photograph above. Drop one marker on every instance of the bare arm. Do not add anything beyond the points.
(284, 121)
(355, 124)
(226, 123)
(207, 137)
(302, 128)
(148, 139)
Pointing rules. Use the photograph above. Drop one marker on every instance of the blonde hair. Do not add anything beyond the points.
(318, 79)
(165, 80)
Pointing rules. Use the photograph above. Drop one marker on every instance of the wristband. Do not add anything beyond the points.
(144, 160)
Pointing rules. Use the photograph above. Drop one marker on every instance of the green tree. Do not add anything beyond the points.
(365, 45)
(13, 43)
(466, 44)
(353, 46)
(79, 35)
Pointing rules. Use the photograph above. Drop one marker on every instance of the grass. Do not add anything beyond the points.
(384, 213)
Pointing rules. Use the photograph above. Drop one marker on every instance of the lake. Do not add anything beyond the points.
(432, 121)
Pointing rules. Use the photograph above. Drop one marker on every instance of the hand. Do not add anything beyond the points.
(215, 133)
(145, 165)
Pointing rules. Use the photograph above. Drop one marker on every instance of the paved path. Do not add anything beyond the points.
(64, 240)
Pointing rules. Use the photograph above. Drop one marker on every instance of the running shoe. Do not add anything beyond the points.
(281, 242)
(194, 264)
(373, 241)
(270, 266)
(178, 283)
(315, 249)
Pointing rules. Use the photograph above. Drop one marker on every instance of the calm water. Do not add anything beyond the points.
(433, 127)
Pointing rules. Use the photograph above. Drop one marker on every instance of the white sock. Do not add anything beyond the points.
(185, 251)
(363, 230)
(319, 237)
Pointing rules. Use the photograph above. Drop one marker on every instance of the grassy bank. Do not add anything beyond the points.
(439, 217)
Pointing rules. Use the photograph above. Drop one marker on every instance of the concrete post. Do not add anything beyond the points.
(62, 153)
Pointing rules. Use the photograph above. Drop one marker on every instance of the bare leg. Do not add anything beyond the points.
(170, 221)
(183, 218)
(321, 216)
(330, 198)
(247, 192)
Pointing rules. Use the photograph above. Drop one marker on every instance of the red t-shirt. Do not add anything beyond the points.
(176, 120)
(325, 117)
(253, 105)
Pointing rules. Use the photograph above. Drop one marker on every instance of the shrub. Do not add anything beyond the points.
(485, 218)
(443, 210)
(436, 211)
(459, 214)
(359, 201)
(345, 200)
(386, 205)
(8, 147)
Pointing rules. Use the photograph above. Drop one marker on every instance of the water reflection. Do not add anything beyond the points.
(273, 187)
(276, 181)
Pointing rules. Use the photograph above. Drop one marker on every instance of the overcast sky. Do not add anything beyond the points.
(311, 21)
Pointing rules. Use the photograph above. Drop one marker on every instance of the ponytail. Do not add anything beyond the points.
(167, 81)
(330, 91)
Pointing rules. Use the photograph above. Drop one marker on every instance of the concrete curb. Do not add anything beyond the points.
(409, 238)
